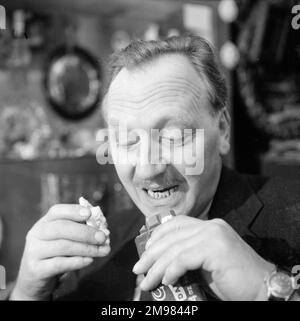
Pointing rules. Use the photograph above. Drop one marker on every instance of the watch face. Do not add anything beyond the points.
(280, 285)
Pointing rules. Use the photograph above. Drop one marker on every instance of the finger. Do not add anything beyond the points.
(176, 224)
(162, 246)
(49, 249)
(54, 266)
(68, 230)
(175, 254)
(71, 212)
(156, 272)
(186, 261)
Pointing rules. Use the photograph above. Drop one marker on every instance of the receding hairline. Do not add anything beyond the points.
(197, 50)
(146, 66)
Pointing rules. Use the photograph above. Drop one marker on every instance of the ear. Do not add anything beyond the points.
(224, 131)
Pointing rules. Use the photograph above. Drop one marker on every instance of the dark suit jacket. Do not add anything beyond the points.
(265, 212)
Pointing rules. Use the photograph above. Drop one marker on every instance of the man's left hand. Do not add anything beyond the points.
(231, 268)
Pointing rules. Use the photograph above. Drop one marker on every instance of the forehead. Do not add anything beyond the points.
(168, 87)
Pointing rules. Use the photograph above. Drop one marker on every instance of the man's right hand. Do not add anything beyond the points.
(58, 243)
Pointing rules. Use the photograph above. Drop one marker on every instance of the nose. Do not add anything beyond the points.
(149, 171)
(149, 163)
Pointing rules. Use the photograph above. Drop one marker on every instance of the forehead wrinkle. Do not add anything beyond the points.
(170, 100)
(186, 104)
(174, 83)
(183, 118)
(154, 99)
(187, 107)
(158, 94)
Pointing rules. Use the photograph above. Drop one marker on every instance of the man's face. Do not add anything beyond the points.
(166, 95)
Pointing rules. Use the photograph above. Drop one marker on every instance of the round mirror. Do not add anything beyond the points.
(73, 82)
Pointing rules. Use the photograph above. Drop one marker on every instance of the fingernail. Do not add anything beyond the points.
(136, 267)
(104, 250)
(148, 244)
(106, 232)
(143, 284)
(100, 237)
(88, 259)
(163, 281)
(84, 212)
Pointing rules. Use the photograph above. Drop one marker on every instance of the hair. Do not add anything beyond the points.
(198, 51)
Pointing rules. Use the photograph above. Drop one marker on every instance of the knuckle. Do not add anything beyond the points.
(88, 233)
(150, 254)
(32, 267)
(179, 260)
(53, 209)
(217, 226)
(43, 273)
(33, 231)
(31, 250)
(34, 250)
(56, 265)
(32, 235)
(219, 222)
(183, 218)
(44, 230)
(181, 257)
(40, 228)
(172, 268)
(175, 250)
(157, 231)
(29, 235)
(76, 262)
(64, 246)
(79, 232)
(90, 250)
(55, 229)
(152, 271)
(104, 250)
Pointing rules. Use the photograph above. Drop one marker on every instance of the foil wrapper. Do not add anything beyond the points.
(97, 219)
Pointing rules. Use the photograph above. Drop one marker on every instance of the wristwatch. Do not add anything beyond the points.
(281, 285)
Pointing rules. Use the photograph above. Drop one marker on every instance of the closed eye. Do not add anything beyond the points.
(171, 140)
(129, 141)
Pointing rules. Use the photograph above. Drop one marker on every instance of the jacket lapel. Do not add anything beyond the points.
(235, 202)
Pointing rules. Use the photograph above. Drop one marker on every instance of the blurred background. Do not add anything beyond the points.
(53, 58)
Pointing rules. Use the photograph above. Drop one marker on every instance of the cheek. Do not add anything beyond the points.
(123, 166)
(211, 147)
(124, 173)
(190, 159)
(208, 157)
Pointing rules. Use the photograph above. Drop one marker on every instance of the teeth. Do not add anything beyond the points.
(159, 195)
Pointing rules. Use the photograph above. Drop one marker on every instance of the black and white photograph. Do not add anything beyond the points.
(149, 151)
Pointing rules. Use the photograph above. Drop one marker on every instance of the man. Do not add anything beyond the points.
(234, 230)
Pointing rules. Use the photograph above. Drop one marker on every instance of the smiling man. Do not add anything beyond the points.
(166, 93)
(168, 98)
